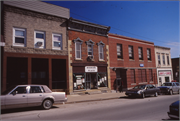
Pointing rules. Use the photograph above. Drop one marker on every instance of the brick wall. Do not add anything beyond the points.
(31, 21)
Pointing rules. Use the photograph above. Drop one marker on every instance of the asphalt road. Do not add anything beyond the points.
(150, 108)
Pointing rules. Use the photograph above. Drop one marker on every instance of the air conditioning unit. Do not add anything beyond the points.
(39, 43)
(90, 58)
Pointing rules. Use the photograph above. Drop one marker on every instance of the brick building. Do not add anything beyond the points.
(132, 61)
(163, 64)
(88, 56)
(175, 67)
(35, 49)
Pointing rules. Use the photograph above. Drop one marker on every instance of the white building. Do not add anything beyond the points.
(163, 64)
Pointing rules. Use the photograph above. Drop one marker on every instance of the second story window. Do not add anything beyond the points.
(39, 41)
(131, 56)
(90, 45)
(168, 60)
(140, 52)
(119, 51)
(163, 57)
(19, 37)
(57, 41)
(159, 59)
(78, 42)
(101, 50)
(149, 54)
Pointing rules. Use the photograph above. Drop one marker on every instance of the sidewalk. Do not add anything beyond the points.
(93, 97)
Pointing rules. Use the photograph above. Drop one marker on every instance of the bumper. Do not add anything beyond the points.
(133, 94)
(60, 101)
(176, 116)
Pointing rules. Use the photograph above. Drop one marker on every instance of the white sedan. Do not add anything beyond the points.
(31, 95)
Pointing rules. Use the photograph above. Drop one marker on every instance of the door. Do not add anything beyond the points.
(88, 81)
(18, 100)
(166, 79)
(35, 96)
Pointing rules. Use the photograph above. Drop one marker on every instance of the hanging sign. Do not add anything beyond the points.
(90, 68)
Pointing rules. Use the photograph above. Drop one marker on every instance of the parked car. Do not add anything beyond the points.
(143, 90)
(174, 110)
(169, 88)
(31, 95)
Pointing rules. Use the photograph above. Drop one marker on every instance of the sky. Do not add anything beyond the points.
(154, 21)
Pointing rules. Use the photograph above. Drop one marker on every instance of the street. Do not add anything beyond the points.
(150, 108)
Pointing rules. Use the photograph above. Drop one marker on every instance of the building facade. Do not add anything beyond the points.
(132, 61)
(35, 47)
(88, 56)
(163, 64)
(175, 67)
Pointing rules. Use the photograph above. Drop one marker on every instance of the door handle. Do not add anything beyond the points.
(24, 96)
(40, 95)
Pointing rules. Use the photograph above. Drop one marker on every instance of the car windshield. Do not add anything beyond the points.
(177, 83)
(8, 90)
(139, 87)
(167, 84)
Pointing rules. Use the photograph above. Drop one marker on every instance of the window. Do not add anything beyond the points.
(35, 89)
(101, 50)
(168, 60)
(142, 75)
(78, 42)
(149, 54)
(159, 60)
(140, 52)
(57, 41)
(150, 75)
(39, 41)
(90, 45)
(132, 72)
(131, 56)
(20, 90)
(163, 56)
(119, 51)
(19, 37)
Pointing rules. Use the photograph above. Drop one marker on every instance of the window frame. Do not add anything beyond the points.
(90, 43)
(101, 44)
(168, 62)
(119, 51)
(140, 54)
(159, 59)
(39, 40)
(19, 44)
(61, 42)
(149, 54)
(78, 41)
(163, 58)
(132, 52)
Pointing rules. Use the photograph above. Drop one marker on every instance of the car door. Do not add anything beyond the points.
(17, 98)
(151, 89)
(147, 90)
(174, 87)
(35, 96)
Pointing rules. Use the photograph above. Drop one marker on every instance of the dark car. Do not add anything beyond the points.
(174, 110)
(143, 90)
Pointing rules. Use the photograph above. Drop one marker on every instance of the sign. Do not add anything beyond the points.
(164, 73)
(141, 65)
(90, 68)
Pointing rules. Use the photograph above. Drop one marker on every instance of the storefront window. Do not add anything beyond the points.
(79, 81)
(102, 80)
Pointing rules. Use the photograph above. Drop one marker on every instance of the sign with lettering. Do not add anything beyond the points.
(164, 73)
(91, 68)
(141, 65)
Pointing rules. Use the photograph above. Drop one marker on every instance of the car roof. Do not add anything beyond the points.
(31, 85)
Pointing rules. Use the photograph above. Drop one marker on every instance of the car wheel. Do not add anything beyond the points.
(47, 104)
(143, 95)
(170, 92)
(156, 94)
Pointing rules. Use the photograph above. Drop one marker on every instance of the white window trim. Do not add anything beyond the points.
(75, 51)
(102, 53)
(57, 48)
(90, 51)
(42, 40)
(19, 44)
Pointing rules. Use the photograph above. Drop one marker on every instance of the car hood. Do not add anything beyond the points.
(164, 87)
(175, 104)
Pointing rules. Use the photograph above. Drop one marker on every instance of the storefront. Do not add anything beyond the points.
(89, 77)
(164, 76)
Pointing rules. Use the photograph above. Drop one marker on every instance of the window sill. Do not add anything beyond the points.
(143, 83)
(141, 60)
(102, 60)
(151, 82)
(78, 59)
(18, 45)
(56, 48)
(131, 60)
(133, 83)
(149, 61)
(120, 59)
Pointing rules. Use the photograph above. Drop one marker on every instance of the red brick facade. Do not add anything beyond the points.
(125, 64)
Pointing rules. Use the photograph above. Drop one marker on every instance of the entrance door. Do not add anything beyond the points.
(91, 81)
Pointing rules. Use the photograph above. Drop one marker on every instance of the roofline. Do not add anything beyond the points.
(162, 47)
(111, 34)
